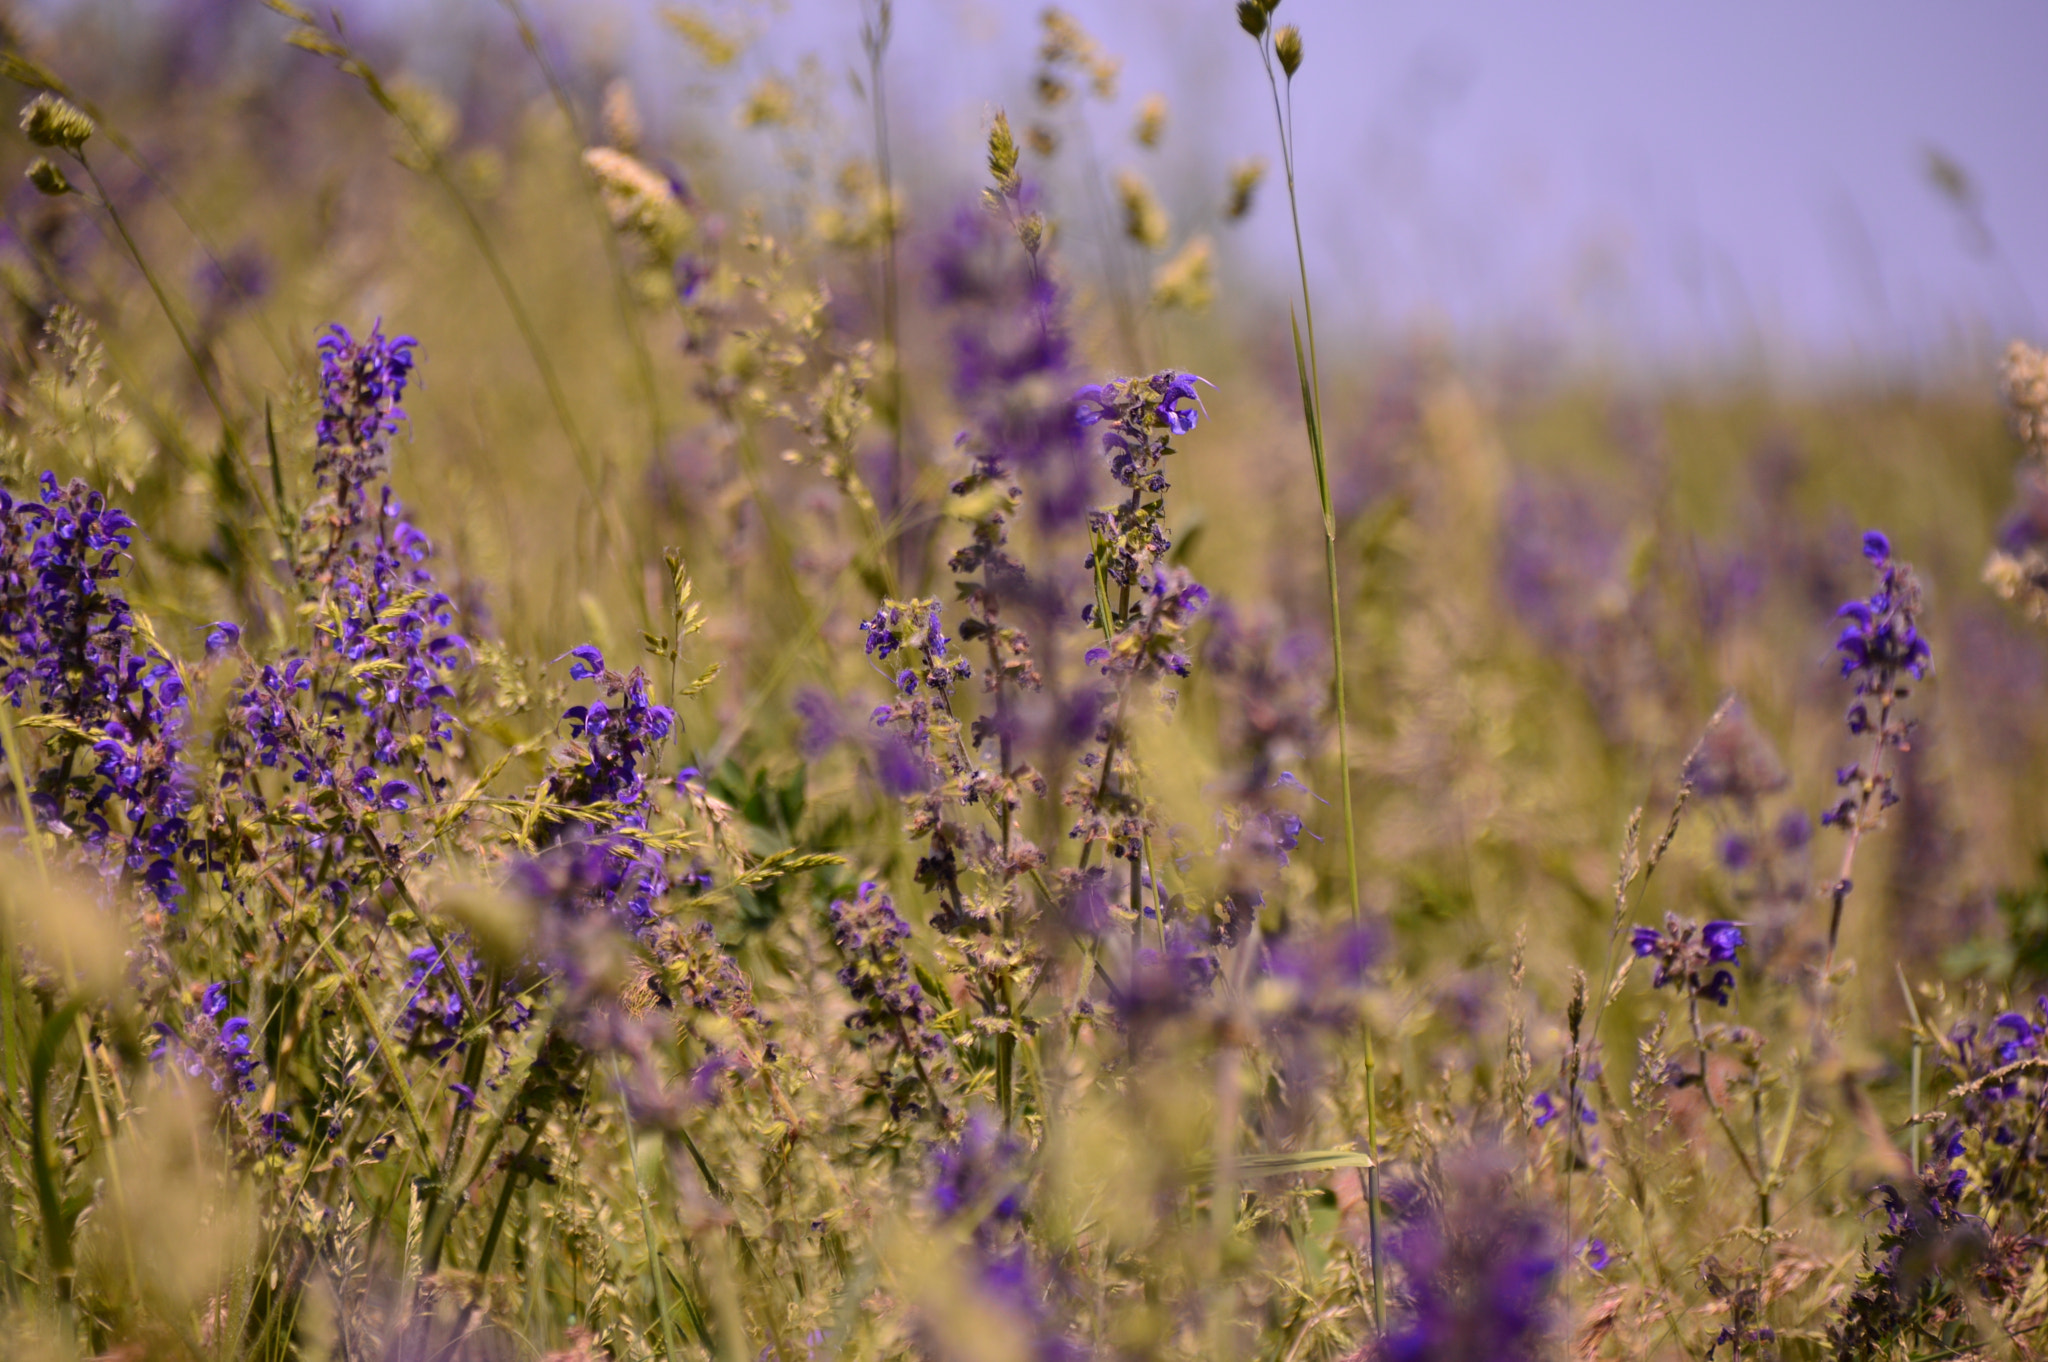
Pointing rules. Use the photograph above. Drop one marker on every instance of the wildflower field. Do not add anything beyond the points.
(624, 740)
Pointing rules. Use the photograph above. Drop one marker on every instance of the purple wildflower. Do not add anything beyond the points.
(1686, 954)
(1478, 1266)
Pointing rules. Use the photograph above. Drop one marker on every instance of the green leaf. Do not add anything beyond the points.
(1284, 1165)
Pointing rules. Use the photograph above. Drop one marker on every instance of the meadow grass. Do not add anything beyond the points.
(630, 741)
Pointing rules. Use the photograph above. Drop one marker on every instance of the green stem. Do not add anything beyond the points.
(444, 1197)
(388, 1052)
(10, 1054)
(1310, 373)
(163, 300)
(643, 359)
(654, 1264)
(875, 39)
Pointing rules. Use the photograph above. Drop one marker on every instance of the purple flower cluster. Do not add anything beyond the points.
(1881, 641)
(926, 676)
(1011, 362)
(440, 988)
(607, 772)
(366, 712)
(1271, 689)
(1687, 955)
(1966, 1224)
(1479, 1268)
(1139, 418)
(213, 1046)
(979, 1179)
(1316, 979)
(1546, 1109)
(1165, 982)
(1149, 644)
(892, 1012)
(361, 384)
(617, 733)
(977, 1175)
(72, 652)
(1881, 648)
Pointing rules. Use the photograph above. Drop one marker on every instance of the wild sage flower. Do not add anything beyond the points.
(73, 649)
(212, 1046)
(1316, 979)
(1962, 1226)
(1167, 601)
(911, 634)
(978, 1175)
(892, 1014)
(1545, 1109)
(1687, 953)
(361, 385)
(1478, 1267)
(367, 710)
(1881, 649)
(617, 733)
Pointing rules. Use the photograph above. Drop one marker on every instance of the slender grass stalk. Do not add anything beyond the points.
(875, 33)
(163, 299)
(615, 261)
(16, 770)
(17, 66)
(670, 1348)
(1309, 371)
(10, 1043)
(1913, 1011)
(593, 470)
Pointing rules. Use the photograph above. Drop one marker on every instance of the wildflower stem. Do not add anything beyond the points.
(875, 36)
(1913, 1011)
(643, 359)
(654, 1258)
(446, 1197)
(1310, 373)
(1859, 823)
(436, 166)
(106, 201)
(10, 1056)
(1714, 1103)
(385, 1049)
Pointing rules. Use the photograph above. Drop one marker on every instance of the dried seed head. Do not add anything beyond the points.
(1151, 121)
(53, 122)
(1251, 17)
(44, 175)
(1002, 154)
(2026, 388)
(1245, 177)
(623, 127)
(1145, 220)
(1287, 47)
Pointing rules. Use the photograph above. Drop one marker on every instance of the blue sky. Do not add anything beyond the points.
(1621, 177)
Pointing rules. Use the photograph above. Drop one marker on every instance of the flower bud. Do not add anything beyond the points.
(46, 177)
(53, 122)
(1287, 47)
(1251, 17)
